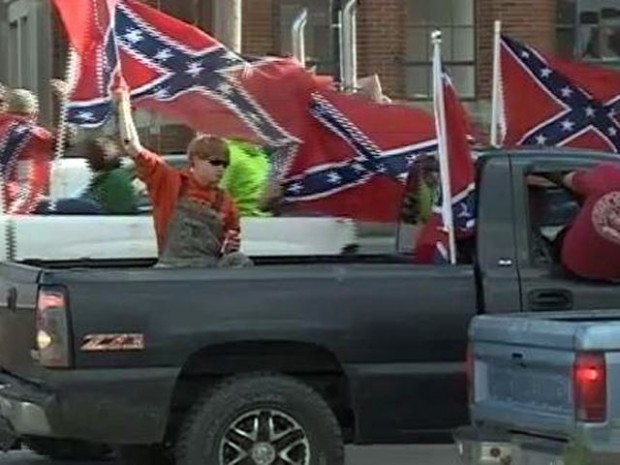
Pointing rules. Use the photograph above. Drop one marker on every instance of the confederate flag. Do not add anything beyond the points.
(548, 101)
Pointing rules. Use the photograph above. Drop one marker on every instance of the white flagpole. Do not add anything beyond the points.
(496, 96)
(442, 140)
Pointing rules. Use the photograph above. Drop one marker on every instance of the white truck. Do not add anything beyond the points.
(95, 237)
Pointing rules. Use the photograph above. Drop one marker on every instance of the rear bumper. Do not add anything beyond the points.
(479, 446)
(114, 406)
(491, 447)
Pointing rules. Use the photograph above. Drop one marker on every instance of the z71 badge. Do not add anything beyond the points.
(112, 342)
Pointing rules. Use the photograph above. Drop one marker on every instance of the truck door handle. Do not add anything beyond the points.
(550, 299)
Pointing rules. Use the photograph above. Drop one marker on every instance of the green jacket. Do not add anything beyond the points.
(246, 177)
(113, 191)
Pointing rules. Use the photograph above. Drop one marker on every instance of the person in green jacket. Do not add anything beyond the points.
(246, 177)
(111, 185)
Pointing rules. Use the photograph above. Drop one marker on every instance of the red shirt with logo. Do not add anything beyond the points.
(591, 247)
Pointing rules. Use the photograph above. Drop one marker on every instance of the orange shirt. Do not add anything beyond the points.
(164, 184)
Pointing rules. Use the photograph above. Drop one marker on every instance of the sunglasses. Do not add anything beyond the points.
(217, 163)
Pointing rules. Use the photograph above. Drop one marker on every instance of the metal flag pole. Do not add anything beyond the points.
(442, 140)
(496, 96)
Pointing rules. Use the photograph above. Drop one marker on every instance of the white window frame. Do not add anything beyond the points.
(580, 30)
(416, 24)
(22, 58)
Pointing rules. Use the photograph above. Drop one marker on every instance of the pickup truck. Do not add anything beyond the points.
(544, 389)
(285, 361)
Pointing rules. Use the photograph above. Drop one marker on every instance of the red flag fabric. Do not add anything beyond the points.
(552, 102)
(86, 22)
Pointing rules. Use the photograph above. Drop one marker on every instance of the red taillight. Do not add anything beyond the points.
(590, 387)
(52, 328)
(470, 368)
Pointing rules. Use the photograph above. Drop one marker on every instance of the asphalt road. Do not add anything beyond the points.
(392, 455)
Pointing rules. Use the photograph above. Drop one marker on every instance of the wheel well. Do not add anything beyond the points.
(315, 365)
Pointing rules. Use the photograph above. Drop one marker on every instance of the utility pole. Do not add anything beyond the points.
(227, 23)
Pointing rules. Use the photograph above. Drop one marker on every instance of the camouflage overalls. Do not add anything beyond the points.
(195, 236)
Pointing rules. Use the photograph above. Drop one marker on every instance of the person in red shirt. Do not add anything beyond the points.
(196, 222)
(591, 245)
(25, 153)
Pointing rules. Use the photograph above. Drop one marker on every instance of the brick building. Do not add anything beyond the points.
(393, 40)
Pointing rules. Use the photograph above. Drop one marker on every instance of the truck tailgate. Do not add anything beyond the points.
(523, 367)
(18, 295)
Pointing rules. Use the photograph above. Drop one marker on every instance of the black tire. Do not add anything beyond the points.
(67, 449)
(267, 406)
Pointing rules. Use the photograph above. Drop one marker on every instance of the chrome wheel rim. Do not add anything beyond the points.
(264, 437)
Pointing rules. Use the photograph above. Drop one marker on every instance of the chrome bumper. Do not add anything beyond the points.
(25, 418)
(476, 447)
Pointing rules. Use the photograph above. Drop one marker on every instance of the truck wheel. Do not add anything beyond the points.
(67, 449)
(262, 420)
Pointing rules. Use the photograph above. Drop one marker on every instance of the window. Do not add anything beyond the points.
(21, 47)
(550, 209)
(566, 37)
(318, 31)
(589, 30)
(455, 19)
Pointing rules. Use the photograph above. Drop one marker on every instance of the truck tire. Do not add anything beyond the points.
(67, 449)
(268, 419)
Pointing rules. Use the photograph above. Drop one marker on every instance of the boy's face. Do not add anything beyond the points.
(208, 170)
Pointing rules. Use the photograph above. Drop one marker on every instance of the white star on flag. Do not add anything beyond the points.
(194, 69)
(567, 125)
(296, 188)
(86, 116)
(163, 54)
(333, 177)
(567, 92)
(546, 72)
(134, 36)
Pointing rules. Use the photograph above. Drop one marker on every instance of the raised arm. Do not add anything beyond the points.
(151, 168)
(129, 134)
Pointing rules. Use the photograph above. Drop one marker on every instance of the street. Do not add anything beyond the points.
(384, 455)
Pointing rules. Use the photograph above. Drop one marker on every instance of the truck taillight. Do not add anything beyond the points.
(470, 368)
(53, 328)
(590, 387)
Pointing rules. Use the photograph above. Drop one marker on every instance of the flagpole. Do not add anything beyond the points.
(442, 142)
(61, 131)
(495, 99)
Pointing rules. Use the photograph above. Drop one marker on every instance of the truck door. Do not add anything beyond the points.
(540, 214)
(497, 274)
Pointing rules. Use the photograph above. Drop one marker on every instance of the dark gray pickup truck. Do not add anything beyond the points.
(283, 362)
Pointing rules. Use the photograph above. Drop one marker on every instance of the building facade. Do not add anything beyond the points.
(393, 40)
